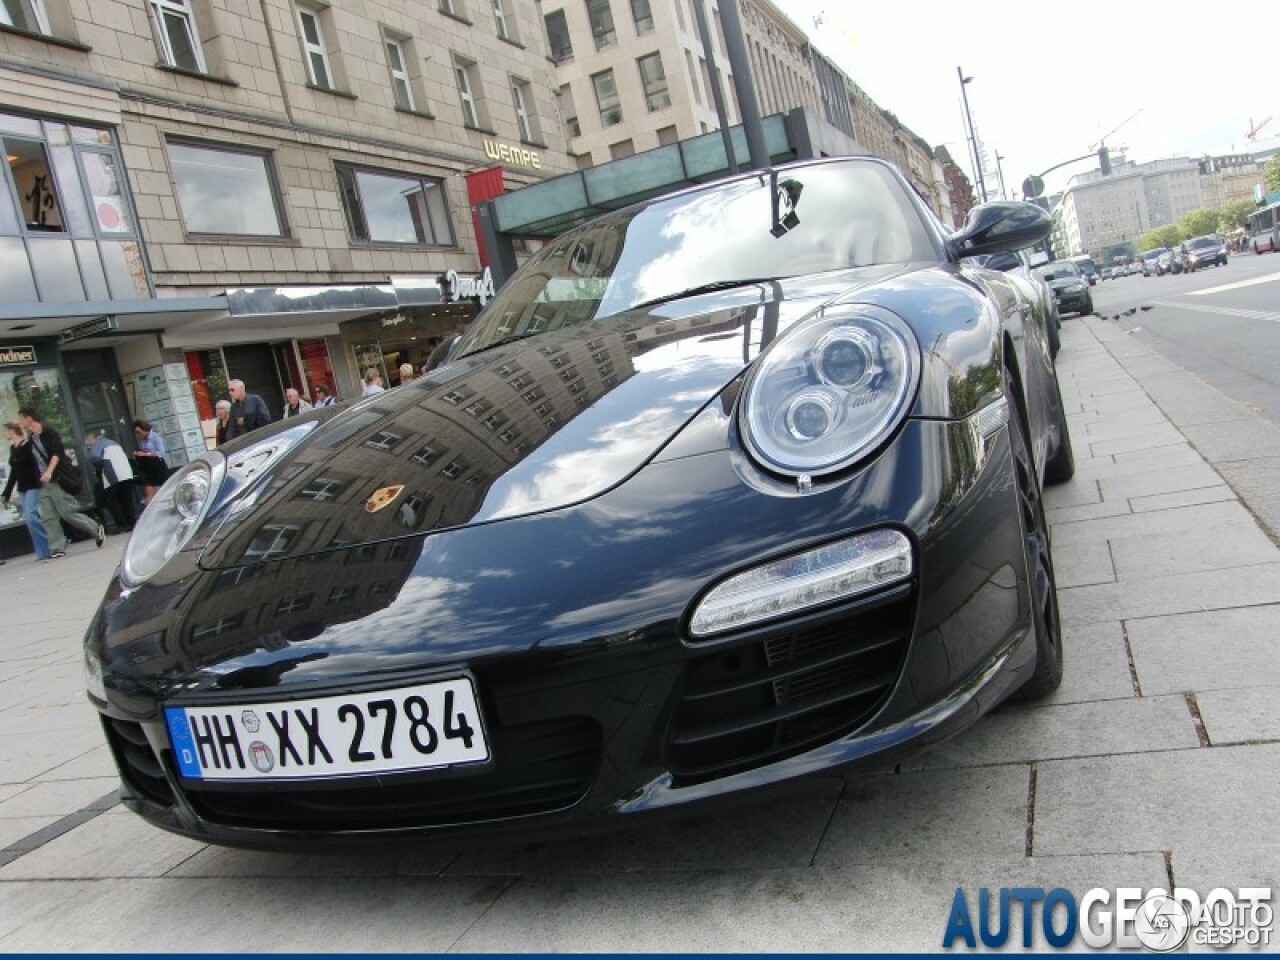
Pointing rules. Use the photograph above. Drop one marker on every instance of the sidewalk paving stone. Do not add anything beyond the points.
(1240, 715)
(1224, 649)
(1155, 801)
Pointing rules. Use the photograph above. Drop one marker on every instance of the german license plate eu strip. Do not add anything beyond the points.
(388, 731)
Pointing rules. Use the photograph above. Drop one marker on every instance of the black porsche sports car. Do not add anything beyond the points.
(721, 490)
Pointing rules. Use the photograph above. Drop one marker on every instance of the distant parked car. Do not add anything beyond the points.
(1150, 267)
(1205, 251)
(1069, 287)
(1088, 269)
(1164, 263)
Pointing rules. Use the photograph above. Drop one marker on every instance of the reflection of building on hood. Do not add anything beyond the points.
(469, 425)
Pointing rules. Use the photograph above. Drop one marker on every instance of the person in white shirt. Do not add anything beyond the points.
(294, 404)
(114, 489)
(372, 382)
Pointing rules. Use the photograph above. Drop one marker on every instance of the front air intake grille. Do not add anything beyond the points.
(538, 768)
(139, 767)
(785, 690)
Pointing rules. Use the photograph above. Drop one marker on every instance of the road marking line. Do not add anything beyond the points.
(1225, 311)
(1234, 286)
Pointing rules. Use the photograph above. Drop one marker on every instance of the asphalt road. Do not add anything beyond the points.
(1220, 323)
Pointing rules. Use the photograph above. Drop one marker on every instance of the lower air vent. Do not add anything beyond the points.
(786, 690)
(538, 768)
(139, 767)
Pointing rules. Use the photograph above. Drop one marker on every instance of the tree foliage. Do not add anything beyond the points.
(1232, 215)
(1167, 236)
(1198, 222)
(1272, 173)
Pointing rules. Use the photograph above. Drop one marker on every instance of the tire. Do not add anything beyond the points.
(1061, 463)
(1051, 330)
(1045, 625)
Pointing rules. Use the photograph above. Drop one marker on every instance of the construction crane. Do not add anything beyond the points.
(1103, 139)
(1256, 128)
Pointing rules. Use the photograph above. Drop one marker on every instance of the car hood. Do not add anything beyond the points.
(521, 428)
(1065, 282)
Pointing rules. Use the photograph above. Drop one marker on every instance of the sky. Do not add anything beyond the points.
(1052, 81)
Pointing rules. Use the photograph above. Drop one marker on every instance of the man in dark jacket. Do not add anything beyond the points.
(248, 411)
(55, 503)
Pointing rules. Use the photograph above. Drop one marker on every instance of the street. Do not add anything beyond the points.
(1154, 765)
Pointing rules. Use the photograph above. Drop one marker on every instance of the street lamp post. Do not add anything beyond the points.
(973, 137)
(1004, 194)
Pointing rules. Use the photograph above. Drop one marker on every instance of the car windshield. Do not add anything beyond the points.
(1153, 254)
(1198, 243)
(777, 224)
(1058, 271)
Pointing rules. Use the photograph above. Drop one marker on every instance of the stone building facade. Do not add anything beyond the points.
(200, 190)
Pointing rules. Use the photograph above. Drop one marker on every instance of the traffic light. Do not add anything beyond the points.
(1104, 161)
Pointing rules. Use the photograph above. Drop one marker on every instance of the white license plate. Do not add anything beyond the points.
(388, 731)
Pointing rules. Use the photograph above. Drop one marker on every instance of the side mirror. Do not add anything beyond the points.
(1000, 227)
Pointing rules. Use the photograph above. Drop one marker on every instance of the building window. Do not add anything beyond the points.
(601, 18)
(506, 25)
(453, 8)
(105, 179)
(521, 96)
(621, 149)
(607, 98)
(667, 136)
(394, 208)
(399, 74)
(654, 80)
(568, 111)
(642, 15)
(558, 36)
(25, 15)
(314, 52)
(270, 541)
(38, 200)
(176, 33)
(464, 72)
(226, 191)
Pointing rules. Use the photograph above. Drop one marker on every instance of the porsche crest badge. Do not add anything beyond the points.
(382, 498)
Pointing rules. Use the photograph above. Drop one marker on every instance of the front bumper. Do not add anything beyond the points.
(599, 705)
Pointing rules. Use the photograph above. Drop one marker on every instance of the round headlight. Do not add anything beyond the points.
(168, 522)
(844, 357)
(830, 391)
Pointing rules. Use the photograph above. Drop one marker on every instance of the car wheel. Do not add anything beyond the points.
(1039, 566)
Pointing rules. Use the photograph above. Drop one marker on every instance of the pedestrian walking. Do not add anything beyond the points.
(114, 490)
(222, 413)
(25, 475)
(58, 480)
(323, 395)
(294, 404)
(153, 468)
(372, 382)
(248, 410)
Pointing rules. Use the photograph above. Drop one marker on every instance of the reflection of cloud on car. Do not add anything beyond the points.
(697, 505)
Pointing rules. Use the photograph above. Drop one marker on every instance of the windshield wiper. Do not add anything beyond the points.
(701, 289)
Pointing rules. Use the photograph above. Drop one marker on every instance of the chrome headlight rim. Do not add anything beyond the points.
(808, 339)
(171, 520)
